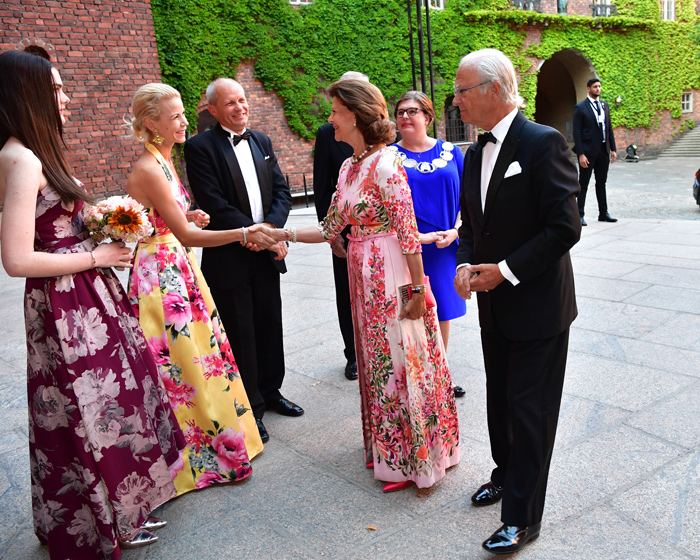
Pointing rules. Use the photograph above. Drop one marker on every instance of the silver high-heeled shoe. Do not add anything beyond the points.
(142, 538)
(153, 523)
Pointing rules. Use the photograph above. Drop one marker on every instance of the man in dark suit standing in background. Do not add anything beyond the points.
(235, 178)
(594, 143)
(329, 156)
(519, 220)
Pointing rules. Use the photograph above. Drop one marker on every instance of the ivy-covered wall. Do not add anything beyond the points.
(299, 51)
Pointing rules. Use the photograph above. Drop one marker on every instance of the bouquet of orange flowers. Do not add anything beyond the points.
(119, 218)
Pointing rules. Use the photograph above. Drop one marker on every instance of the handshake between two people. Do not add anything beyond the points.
(265, 236)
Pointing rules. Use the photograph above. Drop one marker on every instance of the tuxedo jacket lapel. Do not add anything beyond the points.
(474, 179)
(505, 158)
(224, 143)
(263, 175)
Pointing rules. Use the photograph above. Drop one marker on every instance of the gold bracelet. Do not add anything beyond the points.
(418, 289)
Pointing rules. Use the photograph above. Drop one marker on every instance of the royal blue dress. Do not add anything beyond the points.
(435, 193)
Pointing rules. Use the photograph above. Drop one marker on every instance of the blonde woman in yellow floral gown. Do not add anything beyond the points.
(409, 416)
(176, 310)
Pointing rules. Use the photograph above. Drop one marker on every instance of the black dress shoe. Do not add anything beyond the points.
(509, 538)
(351, 370)
(606, 218)
(583, 222)
(264, 436)
(284, 407)
(487, 494)
(459, 392)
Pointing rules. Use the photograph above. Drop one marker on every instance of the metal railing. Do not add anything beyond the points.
(603, 10)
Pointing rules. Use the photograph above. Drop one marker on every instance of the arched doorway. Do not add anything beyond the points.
(561, 83)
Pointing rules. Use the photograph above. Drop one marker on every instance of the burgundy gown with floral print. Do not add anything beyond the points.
(409, 416)
(102, 435)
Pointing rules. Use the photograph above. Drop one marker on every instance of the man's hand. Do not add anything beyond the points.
(583, 160)
(338, 247)
(281, 249)
(463, 281)
(613, 156)
(199, 218)
(489, 276)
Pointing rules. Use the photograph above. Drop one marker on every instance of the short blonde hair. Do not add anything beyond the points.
(146, 105)
(369, 107)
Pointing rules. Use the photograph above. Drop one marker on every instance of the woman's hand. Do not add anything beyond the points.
(446, 238)
(199, 218)
(415, 308)
(428, 238)
(258, 236)
(116, 255)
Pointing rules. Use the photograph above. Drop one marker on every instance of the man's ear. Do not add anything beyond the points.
(496, 89)
(212, 110)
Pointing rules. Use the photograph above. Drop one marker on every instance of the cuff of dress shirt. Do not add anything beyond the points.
(508, 273)
(461, 265)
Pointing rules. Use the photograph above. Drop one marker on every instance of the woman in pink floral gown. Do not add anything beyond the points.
(409, 417)
(101, 434)
(176, 309)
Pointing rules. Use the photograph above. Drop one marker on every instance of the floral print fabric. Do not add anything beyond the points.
(409, 416)
(195, 361)
(102, 435)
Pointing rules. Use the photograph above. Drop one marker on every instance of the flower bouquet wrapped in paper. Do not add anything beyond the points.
(119, 218)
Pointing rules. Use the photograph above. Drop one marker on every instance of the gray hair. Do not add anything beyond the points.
(494, 66)
(354, 76)
(211, 89)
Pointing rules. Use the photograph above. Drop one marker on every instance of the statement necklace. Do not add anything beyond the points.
(356, 159)
(427, 166)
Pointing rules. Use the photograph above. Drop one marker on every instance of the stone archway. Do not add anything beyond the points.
(561, 83)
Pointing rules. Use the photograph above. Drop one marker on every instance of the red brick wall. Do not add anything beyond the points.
(104, 50)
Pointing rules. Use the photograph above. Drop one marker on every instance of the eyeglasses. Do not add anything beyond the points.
(412, 112)
(460, 91)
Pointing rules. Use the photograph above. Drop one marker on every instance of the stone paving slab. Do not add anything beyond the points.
(625, 479)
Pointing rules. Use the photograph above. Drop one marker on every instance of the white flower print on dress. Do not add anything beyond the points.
(62, 226)
(133, 494)
(83, 527)
(65, 283)
(76, 478)
(82, 332)
(100, 498)
(50, 408)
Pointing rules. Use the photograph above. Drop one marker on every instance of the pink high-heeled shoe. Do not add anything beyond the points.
(394, 486)
(370, 465)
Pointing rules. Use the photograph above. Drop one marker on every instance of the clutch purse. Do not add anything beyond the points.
(405, 294)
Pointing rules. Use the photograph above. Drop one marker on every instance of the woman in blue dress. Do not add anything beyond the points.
(434, 169)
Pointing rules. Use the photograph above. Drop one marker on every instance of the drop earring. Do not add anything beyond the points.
(354, 124)
(157, 138)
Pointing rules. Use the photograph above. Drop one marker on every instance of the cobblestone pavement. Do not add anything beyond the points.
(625, 478)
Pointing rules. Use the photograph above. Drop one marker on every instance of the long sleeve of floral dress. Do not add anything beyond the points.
(373, 198)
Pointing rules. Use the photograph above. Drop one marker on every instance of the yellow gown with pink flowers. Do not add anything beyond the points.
(194, 358)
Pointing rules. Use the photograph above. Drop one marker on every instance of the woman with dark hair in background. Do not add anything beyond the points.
(101, 434)
(434, 170)
(409, 417)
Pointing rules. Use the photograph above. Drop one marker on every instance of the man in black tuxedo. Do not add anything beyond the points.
(519, 220)
(235, 178)
(594, 143)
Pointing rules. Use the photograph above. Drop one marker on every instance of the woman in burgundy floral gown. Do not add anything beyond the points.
(101, 434)
(409, 417)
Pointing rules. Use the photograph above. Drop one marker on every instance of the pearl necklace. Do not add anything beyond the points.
(356, 159)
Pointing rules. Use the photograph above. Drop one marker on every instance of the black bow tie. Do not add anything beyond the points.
(238, 137)
(484, 138)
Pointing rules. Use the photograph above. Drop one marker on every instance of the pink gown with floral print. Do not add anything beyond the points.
(195, 361)
(409, 416)
(102, 435)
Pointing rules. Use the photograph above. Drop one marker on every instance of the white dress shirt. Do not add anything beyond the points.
(599, 113)
(489, 156)
(250, 176)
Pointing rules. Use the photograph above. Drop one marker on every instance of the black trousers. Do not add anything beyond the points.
(252, 317)
(600, 165)
(524, 382)
(342, 303)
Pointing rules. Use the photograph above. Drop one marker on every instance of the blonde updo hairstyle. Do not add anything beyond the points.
(367, 103)
(146, 105)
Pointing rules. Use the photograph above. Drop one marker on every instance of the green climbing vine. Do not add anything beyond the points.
(299, 51)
